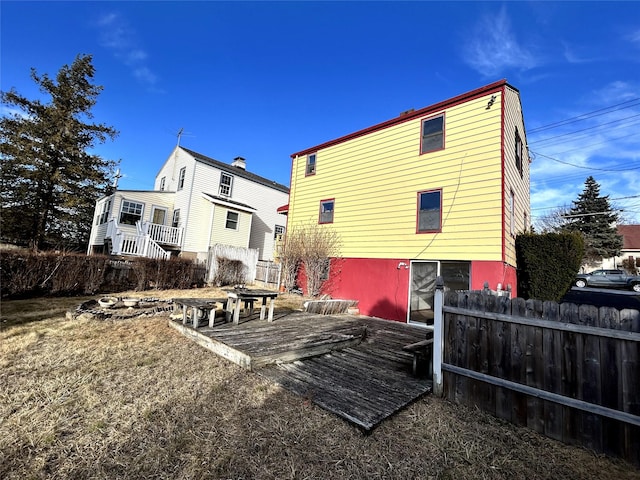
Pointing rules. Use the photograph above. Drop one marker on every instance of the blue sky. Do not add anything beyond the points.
(263, 80)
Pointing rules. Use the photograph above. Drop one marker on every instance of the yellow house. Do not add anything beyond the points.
(438, 191)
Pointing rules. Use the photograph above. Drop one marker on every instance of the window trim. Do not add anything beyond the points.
(230, 186)
(175, 218)
(333, 210)
(131, 202)
(519, 153)
(162, 183)
(422, 122)
(278, 234)
(419, 195)
(181, 177)
(313, 164)
(237, 220)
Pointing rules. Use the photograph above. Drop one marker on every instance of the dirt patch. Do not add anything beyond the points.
(134, 399)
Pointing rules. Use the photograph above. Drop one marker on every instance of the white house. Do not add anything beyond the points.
(197, 202)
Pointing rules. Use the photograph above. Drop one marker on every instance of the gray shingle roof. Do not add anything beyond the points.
(239, 172)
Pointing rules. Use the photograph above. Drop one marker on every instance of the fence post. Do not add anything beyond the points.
(438, 336)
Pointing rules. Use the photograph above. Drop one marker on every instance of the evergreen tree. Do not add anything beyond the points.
(50, 180)
(593, 216)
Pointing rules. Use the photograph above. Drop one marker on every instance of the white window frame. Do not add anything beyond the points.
(234, 223)
(226, 184)
(162, 183)
(181, 176)
(132, 207)
(175, 220)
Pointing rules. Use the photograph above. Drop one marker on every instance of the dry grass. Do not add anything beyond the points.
(134, 399)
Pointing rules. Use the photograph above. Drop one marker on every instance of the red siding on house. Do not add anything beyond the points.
(382, 289)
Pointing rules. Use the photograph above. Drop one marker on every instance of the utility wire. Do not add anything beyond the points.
(585, 116)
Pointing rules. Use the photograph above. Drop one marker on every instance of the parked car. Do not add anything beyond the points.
(608, 279)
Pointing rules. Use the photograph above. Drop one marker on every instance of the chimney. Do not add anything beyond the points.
(240, 163)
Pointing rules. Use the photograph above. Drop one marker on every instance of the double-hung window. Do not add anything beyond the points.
(226, 183)
(175, 222)
(432, 138)
(103, 216)
(183, 172)
(311, 164)
(278, 232)
(232, 220)
(326, 211)
(130, 212)
(162, 182)
(519, 152)
(429, 211)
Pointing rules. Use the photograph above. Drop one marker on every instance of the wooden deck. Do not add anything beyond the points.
(352, 366)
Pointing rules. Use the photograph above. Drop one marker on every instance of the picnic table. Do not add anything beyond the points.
(196, 309)
(248, 296)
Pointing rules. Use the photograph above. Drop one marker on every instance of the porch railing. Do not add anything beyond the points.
(163, 234)
(139, 243)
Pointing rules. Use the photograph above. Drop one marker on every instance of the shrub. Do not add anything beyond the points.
(230, 272)
(548, 264)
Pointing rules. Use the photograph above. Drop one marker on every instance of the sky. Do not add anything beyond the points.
(263, 80)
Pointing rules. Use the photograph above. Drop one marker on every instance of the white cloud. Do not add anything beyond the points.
(118, 37)
(494, 48)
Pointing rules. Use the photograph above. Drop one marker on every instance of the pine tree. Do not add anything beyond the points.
(593, 216)
(50, 180)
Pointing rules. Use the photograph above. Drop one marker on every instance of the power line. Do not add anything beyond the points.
(585, 116)
(582, 166)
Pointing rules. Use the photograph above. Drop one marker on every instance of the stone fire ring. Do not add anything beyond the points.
(115, 308)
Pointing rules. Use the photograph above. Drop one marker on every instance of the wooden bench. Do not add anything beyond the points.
(422, 353)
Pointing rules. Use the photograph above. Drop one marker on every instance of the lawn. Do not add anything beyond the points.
(134, 399)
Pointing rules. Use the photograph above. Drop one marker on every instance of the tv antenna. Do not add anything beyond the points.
(116, 177)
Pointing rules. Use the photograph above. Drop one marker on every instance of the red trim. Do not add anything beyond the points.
(422, 120)
(465, 97)
(315, 165)
(320, 210)
(283, 209)
(418, 211)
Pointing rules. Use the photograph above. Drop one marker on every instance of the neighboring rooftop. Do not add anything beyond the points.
(237, 170)
(630, 236)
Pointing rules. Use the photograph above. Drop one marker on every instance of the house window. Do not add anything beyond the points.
(326, 211)
(429, 211)
(432, 134)
(226, 182)
(512, 213)
(183, 172)
(130, 212)
(104, 213)
(162, 182)
(519, 153)
(232, 220)
(175, 222)
(278, 232)
(311, 164)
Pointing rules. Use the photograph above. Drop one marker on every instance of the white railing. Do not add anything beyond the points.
(163, 233)
(138, 244)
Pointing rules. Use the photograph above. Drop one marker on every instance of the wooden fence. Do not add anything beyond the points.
(268, 273)
(570, 372)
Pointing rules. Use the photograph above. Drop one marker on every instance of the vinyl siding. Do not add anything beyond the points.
(226, 236)
(512, 179)
(375, 180)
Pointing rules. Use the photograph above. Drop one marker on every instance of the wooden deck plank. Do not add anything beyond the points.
(352, 366)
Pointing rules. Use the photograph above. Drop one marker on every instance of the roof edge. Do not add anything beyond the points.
(478, 92)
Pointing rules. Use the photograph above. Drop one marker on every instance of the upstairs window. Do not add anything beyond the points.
(130, 212)
(311, 164)
(162, 182)
(326, 211)
(278, 232)
(429, 211)
(232, 220)
(183, 172)
(103, 216)
(175, 222)
(226, 182)
(432, 134)
(519, 153)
